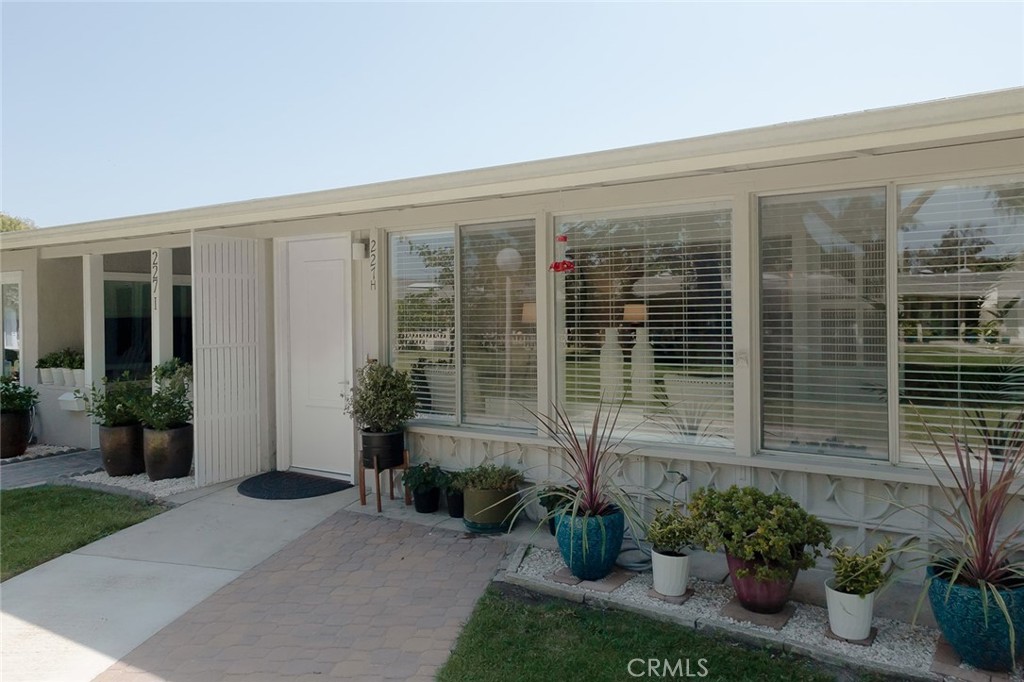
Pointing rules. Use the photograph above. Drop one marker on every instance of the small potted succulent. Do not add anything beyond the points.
(670, 535)
(115, 408)
(16, 403)
(167, 434)
(425, 481)
(490, 494)
(381, 402)
(454, 489)
(850, 593)
(767, 539)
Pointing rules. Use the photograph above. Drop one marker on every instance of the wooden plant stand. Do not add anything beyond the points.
(376, 475)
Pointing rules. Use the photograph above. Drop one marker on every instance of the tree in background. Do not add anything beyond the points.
(10, 223)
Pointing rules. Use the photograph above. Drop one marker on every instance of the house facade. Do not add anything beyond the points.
(782, 306)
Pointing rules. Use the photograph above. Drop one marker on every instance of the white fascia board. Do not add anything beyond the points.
(918, 126)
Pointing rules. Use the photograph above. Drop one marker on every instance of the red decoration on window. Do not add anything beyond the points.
(561, 264)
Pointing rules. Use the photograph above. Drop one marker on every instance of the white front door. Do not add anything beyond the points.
(319, 354)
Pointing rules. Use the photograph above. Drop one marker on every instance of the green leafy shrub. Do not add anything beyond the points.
(860, 574)
(454, 482)
(671, 531)
(173, 370)
(423, 477)
(772, 531)
(382, 400)
(492, 477)
(16, 398)
(118, 403)
(167, 408)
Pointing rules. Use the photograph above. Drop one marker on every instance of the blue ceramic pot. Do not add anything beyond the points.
(589, 544)
(982, 644)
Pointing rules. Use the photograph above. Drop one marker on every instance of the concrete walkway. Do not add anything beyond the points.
(69, 619)
(44, 469)
(357, 598)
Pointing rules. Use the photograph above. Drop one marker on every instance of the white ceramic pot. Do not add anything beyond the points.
(671, 574)
(849, 615)
(79, 375)
(46, 375)
(69, 376)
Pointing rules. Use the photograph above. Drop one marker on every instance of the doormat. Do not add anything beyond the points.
(289, 485)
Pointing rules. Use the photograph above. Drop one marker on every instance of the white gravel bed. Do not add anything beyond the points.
(898, 645)
(141, 483)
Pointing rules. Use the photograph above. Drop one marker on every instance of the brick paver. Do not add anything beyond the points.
(356, 598)
(44, 469)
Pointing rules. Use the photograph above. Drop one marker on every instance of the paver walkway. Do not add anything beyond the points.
(357, 598)
(42, 470)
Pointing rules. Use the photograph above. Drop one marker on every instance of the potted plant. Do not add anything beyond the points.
(850, 593)
(45, 366)
(167, 436)
(670, 535)
(115, 408)
(16, 403)
(490, 494)
(592, 511)
(975, 557)
(767, 539)
(76, 361)
(425, 481)
(381, 402)
(454, 488)
(552, 498)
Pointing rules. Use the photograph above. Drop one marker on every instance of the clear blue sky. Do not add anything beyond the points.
(120, 109)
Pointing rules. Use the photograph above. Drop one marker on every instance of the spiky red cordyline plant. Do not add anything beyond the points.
(982, 490)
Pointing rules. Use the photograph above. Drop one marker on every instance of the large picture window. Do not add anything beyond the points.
(422, 316)
(823, 370)
(497, 282)
(961, 317)
(645, 318)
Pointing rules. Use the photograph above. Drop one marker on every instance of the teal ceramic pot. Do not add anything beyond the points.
(590, 544)
(980, 643)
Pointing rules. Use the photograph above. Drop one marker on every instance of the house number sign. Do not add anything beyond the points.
(154, 276)
(373, 265)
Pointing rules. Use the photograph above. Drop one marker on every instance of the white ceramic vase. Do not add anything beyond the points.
(612, 367)
(671, 573)
(849, 615)
(642, 367)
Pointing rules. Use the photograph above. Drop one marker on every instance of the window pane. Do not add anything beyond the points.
(11, 328)
(422, 316)
(961, 279)
(127, 329)
(823, 375)
(498, 319)
(645, 317)
(183, 323)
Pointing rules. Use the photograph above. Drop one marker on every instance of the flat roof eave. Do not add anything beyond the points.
(995, 115)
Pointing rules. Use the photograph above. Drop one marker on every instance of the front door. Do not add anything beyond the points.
(319, 353)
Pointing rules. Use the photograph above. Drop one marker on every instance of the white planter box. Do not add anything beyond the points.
(849, 615)
(79, 375)
(671, 574)
(46, 375)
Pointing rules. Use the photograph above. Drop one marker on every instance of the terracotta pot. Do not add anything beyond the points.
(168, 454)
(759, 596)
(15, 429)
(121, 449)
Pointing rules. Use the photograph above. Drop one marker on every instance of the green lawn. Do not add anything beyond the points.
(41, 523)
(508, 638)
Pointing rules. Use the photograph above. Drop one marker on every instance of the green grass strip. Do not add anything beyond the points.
(509, 639)
(41, 523)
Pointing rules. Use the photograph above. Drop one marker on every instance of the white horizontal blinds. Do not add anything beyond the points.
(823, 372)
(645, 317)
(960, 289)
(498, 323)
(421, 311)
